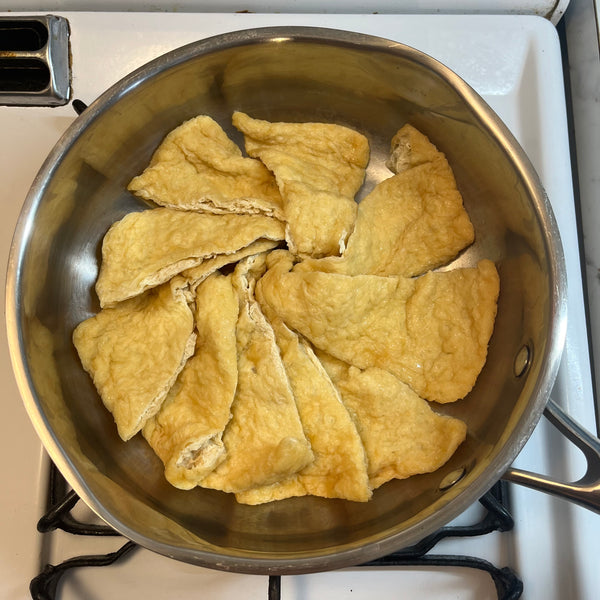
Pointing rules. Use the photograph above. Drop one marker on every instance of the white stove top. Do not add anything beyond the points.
(550, 9)
(514, 63)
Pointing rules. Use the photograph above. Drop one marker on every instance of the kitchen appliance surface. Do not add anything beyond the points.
(514, 63)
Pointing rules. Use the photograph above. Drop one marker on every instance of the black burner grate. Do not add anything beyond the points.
(496, 518)
(60, 503)
(44, 586)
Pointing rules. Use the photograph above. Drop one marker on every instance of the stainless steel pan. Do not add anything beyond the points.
(282, 74)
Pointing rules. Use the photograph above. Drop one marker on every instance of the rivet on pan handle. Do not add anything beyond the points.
(585, 491)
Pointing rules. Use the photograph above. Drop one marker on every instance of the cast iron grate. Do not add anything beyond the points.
(45, 586)
(496, 518)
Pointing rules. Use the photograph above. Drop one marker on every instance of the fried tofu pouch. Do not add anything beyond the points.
(432, 332)
(410, 223)
(410, 148)
(147, 248)
(264, 440)
(340, 468)
(135, 351)
(196, 275)
(187, 431)
(319, 167)
(401, 434)
(197, 167)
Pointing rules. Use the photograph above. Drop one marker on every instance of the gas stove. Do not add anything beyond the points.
(514, 62)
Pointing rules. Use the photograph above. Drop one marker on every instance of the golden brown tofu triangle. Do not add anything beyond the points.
(319, 167)
(410, 148)
(145, 249)
(187, 431)
(264, 440)
(410, 223)
(318, 222)
(339, 469)
(135, 351)
(197, 167)
(196, 275)
(401, 434)
(432, 332)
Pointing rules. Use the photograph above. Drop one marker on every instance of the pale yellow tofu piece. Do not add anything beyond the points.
(196, 275)
(410, 223)
(187, 431)
(135, 351)
(432, 332)
(319, 167)
(197, 167)
(410, 148)
(145, 249)
(401, 434)
(340, 468)
(264, 440)
(318, 221)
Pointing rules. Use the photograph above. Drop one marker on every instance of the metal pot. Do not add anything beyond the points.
(290, 74)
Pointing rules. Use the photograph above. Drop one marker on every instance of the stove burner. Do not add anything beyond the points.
(497, 518)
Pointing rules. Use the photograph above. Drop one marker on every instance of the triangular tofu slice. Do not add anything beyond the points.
(197, 167)
(319, 167)
(135, 351)
(145, 249)
(196, 275)
(410, 148)
(264, 439)
(340, 468)
(186, 433)
(401, 434)
(410, 223)
(432, 332)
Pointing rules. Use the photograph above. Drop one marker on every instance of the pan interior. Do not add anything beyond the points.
(374, 87)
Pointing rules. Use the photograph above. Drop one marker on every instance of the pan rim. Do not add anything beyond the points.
(329, 558)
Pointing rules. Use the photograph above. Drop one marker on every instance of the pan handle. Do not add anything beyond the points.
(586, 491)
